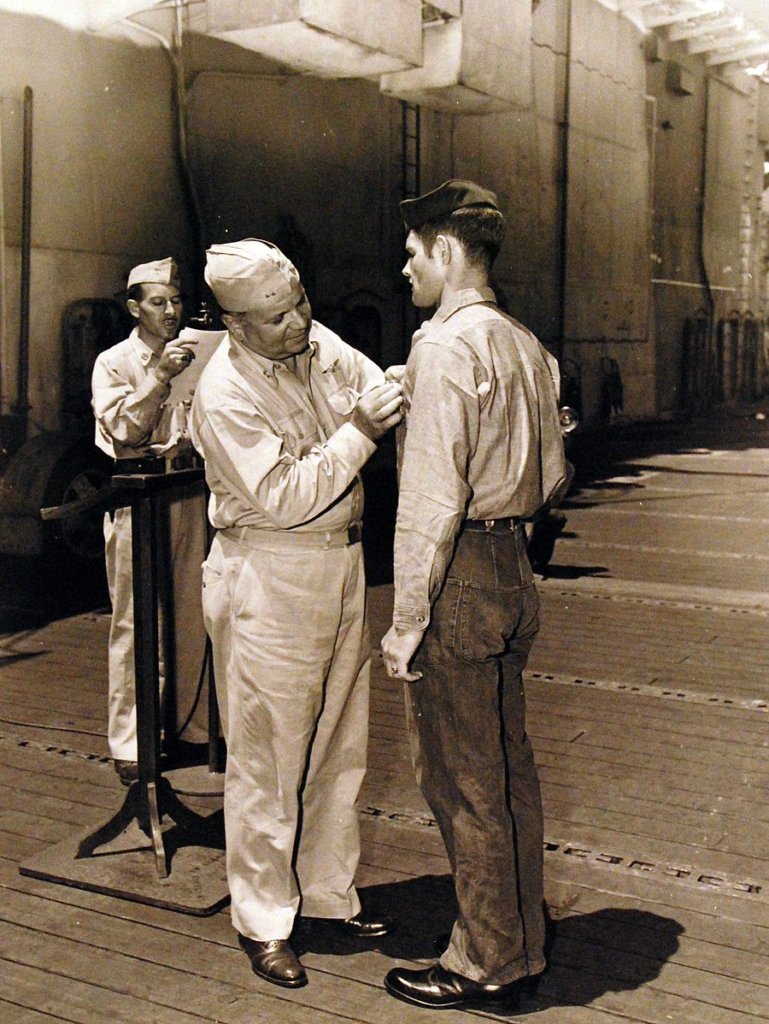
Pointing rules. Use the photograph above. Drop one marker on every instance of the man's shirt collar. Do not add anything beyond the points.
(270, 368)
(142, 349)
(466, 297)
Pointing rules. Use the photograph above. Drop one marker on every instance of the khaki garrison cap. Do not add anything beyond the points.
(244, 274)
(448, 197)
(157, 272)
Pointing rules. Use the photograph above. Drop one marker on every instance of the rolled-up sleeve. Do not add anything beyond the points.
(125, 413)
(257, 467)
(441, 433)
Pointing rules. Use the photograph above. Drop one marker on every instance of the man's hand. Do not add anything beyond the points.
(377, 410)
(177, 355)
(396, 373)
(398, 649)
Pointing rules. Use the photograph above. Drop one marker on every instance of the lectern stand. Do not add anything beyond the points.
(174, 856)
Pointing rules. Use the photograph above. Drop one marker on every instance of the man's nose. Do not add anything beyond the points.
(299, 318)
(406, 272)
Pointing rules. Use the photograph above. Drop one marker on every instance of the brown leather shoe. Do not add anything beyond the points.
(362, 927)
(439, 989)
(274, 961)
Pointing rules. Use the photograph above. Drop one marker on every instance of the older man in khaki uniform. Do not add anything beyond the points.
(285, 415)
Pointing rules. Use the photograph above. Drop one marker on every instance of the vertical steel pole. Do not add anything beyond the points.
(22, 402)
(564, 225)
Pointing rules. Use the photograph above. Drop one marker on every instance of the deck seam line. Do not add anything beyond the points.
(638, 865)
(677, 694)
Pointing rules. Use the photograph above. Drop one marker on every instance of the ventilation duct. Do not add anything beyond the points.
(327, 38)
(477, 62)
(80, 14)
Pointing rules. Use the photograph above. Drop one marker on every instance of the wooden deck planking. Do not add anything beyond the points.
(77, 741)
(668, 798)
(32, 790)
(677, 741)
(638, 788)
(220, 967)
(13, 1013)
(417, 864)
(650, 711)
(623, 760)
(614, 561)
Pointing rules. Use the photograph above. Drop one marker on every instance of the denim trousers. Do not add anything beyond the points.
(473, 758)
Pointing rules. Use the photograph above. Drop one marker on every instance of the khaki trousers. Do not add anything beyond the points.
(291, 657)
(187, 543)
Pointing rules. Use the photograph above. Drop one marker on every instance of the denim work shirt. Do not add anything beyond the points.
(481, 441)
(279, 449)
(129, 403)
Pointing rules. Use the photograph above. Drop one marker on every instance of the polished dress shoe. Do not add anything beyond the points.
(439, 989)
(128, 771)
(362, 927)
(274, 961)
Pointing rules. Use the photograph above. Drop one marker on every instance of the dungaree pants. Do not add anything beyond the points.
(286, 616)
(473, 759)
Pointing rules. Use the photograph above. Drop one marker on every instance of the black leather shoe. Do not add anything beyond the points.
(128, 771)
(362, 927)
(439, 989)
(274, 961)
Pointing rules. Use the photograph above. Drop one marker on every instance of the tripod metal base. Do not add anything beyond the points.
(154, 859)
(154, 849)
(195, 781)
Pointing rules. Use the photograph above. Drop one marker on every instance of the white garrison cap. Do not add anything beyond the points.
(158, 272)
(244, 274)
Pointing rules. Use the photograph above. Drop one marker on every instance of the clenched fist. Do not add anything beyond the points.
(176, 356)
(378, 409)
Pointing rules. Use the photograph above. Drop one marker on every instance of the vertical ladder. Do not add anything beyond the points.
(410, 149)
(411, 159)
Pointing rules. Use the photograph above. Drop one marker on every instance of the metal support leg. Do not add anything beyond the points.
(151, 798)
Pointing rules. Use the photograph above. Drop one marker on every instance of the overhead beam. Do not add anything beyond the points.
(704, 27)
(724, 42)
(748, 53)
(623, 6)
(714, 29)
(675, 15)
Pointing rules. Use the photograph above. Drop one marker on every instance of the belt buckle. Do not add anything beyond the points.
(489, 524)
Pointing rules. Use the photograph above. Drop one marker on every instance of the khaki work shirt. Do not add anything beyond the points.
(129, 403)
(481, 440)
(280, 453)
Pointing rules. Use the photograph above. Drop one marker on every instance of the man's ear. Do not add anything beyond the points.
(443, 247)
(133, 308)
(232, 323)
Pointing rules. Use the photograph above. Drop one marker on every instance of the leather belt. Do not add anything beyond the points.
(506, 525)
(354, 533)
(256, 537)
(152, 465)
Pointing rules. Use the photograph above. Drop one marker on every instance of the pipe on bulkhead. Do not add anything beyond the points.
(22, 401)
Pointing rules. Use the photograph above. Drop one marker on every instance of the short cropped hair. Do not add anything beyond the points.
(480, 231)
